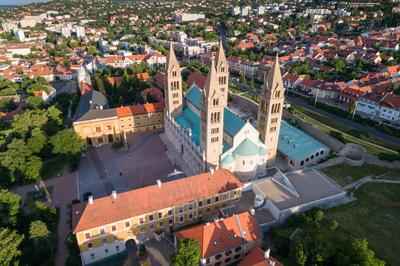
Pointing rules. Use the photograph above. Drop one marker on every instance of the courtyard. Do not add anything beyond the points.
(142, 163)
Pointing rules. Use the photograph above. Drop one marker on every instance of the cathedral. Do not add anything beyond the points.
(208, 135)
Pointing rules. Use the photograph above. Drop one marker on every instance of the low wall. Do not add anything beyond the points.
(244, 102)
(331, 162)
(373, 159)
(318, 134)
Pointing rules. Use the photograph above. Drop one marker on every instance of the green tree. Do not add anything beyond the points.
(360, 254)
(40, 235)
(9, 208)
(300, 254)
(187, 253)
(33, 167)
(34, 102)
(14, 159)
(37, 141)
(66, 142)
(10, 241)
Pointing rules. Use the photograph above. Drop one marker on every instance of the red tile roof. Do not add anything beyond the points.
(197, 78)
(392, 101)
(223, 234)
(151, 198)
(256, 258)
(140, 109)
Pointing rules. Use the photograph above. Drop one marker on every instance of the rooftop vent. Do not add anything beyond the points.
(114, 194)
(266, 253)
(212, 170)
(90, 199)
(158, 183)
(215, 242)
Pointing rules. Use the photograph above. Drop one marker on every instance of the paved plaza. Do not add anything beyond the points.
(141, 164)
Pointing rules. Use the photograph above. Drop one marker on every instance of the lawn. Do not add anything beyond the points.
(341, 172)
(393, 175)
(375, 215)
(52, 167)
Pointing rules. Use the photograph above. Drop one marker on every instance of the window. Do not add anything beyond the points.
(218, 263)
(92, 256)
(152, 227)
(151, 217)
(180, 209)
(102, 231)
(117, 248)
(90, 245)
(228, 260)
(87, 235)
(200, 203)
(237, 256)
(228, 252)
(215, 139)
(302, 163)
(322, 152)
(272, 129)
(218, 256)
(190, 206)
(98, 129)
(161, 224)
(224, 196)
(216, 199)
(208, 260)
(108, 127)
(113, 228)
(100, 140)
(214, 130)
(169, 212)
(159, 215)
(170, 221)
(181, 219)
(208, 201)
(127, 224)
(141, 220)
(312, 157)
(104, 241)
(307, 159)
(190, 216)
(238, 249)
(106, 250)
(142, 229)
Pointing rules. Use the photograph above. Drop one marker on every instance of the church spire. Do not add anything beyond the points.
(221, 54)
(274, 77)
(171, 60)
(221, 67)
(211, 81)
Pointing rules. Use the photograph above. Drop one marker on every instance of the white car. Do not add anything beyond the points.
(98, 145)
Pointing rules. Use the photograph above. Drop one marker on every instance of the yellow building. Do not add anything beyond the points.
(103, 226)
(100, 126)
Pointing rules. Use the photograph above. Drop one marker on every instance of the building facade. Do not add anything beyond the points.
(103, 126)
(102, 229)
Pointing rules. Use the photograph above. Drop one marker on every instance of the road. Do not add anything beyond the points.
(371, 131)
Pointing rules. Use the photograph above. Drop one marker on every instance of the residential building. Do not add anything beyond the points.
(102, 229)
(259, 257)
(102, 126)
(224, 241)
(186, 17)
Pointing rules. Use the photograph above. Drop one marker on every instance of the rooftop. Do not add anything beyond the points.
(296, 144)
(136, 202)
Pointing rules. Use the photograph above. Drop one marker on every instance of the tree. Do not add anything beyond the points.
(318, 216)
(40, 235)
(9, 246)
(66, 142)
(9, 208)
(33, 167)
(299, 253)
(360, 254)
(251, 84)
(37, 141)
(187, 253)
(34, 102)
(14, 159)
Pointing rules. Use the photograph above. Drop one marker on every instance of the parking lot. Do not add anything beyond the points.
(105, 169)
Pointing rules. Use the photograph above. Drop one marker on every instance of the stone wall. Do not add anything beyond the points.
(244, 102)
(373, 159)
(330, 162)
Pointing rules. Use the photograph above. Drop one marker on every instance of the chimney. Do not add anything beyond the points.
(212, 170)
(159, 183)
(90, 199)
(266, 254)
(253, 211)
(114, 194)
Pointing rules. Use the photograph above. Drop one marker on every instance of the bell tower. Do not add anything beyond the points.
(212, 119)
(222, 73)
(173, 85)
(270, 110)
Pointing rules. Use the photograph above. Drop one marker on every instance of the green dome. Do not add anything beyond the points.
(262, 151)
(247, 148)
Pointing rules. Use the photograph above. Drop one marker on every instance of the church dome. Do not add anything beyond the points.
(247, 148)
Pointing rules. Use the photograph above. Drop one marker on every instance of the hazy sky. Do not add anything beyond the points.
(19, 2)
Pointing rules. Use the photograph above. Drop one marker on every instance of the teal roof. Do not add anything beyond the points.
(247, 148)
(194, 96)
(296, 144)
(187, 119)
(232, 123)
(262, 151)
(229, 159)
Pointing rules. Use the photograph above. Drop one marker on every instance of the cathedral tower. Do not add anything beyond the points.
(270, 110)
(173, 85)
(212, 119)
(222, 73)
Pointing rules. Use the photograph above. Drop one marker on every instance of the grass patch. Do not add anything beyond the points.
(375, 215)
(341, 172)
(8, 91)
(235, 89)
(52, 167)
(392, 174)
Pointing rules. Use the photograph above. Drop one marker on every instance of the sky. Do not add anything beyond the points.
(19, 2)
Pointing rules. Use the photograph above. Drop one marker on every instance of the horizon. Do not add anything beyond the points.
(20, 2)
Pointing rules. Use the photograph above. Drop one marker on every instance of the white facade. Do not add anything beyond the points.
(95, 254)
(245, 11)
(66, 32)
(19, 34)
(235, 11)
